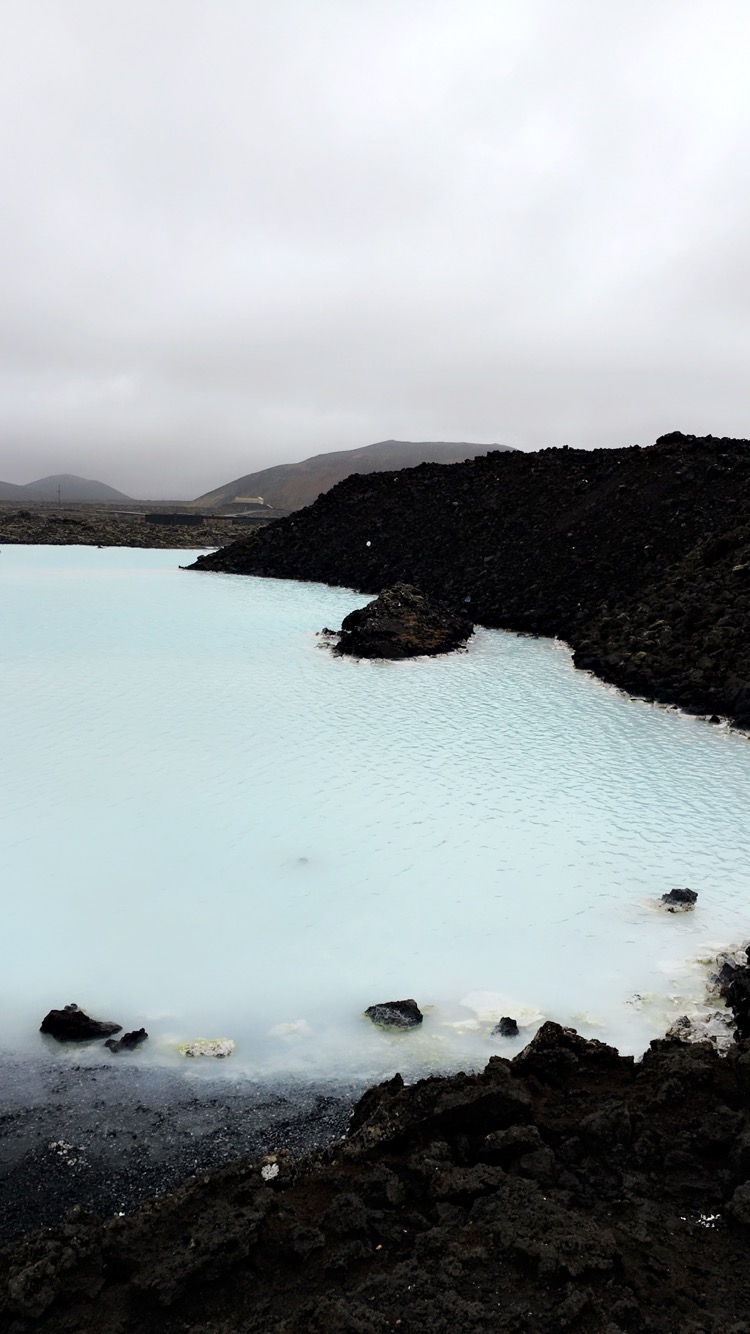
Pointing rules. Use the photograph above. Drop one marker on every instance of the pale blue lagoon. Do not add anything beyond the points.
(211, 827)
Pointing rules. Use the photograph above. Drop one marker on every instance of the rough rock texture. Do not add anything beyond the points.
(505, 1028)
(679, 900)
(128, 1041)
(395, 1014)
(639, 558)
(72, 1024)
(568, 1189)
(402, 623)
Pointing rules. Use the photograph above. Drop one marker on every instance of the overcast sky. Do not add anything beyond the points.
(238, 232)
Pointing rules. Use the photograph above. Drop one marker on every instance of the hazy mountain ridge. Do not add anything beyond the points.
(291, 486)
(62, 486)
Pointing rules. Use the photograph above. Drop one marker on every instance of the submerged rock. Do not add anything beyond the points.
(395, 1014)
(72, 1024)
(219, 1047)
(128, 1041)
(679, 900)
(402, 623)
(505, 1028)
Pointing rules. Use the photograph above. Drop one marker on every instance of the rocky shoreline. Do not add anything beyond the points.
(638, 558)
(570, 1188)
(567, 1188)
(106, 1138)
(90, 524)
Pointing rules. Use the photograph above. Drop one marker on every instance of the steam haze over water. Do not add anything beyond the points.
(239, 234)
(211, 827)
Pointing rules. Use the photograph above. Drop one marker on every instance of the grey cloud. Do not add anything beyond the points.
(243, 232)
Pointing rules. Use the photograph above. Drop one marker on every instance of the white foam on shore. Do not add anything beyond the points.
(211, 827)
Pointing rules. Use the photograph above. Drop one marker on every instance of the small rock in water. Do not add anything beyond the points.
(679, 900)
(402, 623)
(395, 1014)
(505, 1028)
(128, 1041)
(207, 1047)
(73, 1025)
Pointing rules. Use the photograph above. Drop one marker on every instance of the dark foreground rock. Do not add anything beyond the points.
(402, 623)
(395, 1014)
(638, 558)
(567, 1189)
(72, 1024)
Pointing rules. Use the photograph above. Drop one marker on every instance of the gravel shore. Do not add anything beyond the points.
(106, 1138)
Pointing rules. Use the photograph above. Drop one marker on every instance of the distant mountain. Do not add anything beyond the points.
(290, 486)
(63, 486)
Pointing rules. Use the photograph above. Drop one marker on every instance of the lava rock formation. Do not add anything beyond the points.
(638, 558)
(402, 623)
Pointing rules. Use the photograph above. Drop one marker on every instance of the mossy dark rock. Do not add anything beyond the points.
(402, 623)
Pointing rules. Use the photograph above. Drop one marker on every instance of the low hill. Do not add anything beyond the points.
(62, 486)
(291, 486)
(639, 558)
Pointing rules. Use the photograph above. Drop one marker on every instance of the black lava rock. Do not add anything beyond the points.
(679, 900)
(128, 1041)
(505, 1028)
(402, 623)
(736, 992)
(73, 1025)
(638, 558)
(395, 1014)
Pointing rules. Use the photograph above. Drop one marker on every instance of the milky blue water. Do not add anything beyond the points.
(212, 827)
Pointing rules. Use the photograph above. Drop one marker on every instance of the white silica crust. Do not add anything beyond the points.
(211, 825)
(219, 1047)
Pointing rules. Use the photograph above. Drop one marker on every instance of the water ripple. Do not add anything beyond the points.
(209, 819)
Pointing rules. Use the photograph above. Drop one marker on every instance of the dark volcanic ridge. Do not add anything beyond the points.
(638, 558)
